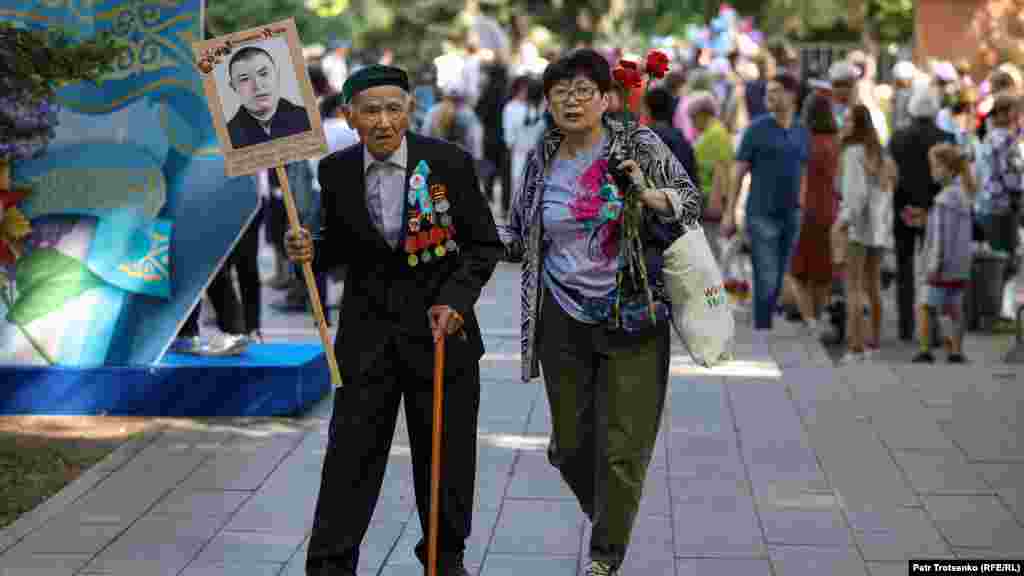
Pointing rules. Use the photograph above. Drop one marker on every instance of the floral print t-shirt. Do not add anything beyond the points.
(581, 211)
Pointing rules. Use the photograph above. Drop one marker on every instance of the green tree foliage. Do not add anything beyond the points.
(893, 19)
(34, 63)
(228, 16)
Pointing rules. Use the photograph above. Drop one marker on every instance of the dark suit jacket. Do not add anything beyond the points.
(385, 297)
(288, 120)
(909, 149)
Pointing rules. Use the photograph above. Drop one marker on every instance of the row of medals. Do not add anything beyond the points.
(431, 235)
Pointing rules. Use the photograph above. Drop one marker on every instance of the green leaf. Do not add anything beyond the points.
(46, 279)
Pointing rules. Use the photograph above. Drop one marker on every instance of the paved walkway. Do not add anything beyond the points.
(778, 464)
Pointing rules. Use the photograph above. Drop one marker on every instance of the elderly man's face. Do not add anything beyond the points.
(255, 81)
(381, 117)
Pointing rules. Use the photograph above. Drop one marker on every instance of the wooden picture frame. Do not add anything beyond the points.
(260, 98)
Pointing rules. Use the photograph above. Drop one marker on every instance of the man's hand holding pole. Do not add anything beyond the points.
(298, 245)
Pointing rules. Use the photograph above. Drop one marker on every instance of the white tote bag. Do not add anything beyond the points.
(701, 313)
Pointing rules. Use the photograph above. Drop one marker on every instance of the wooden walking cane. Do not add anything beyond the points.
(435, 458)
(311, 291)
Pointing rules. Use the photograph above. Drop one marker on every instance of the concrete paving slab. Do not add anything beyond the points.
(945, 472)
(808, 561)
(887, 568)
(244, 464)
(651, 540)
(67, 539)
(252, 568)
(517, 533)
(378, 546)
(976, 522)
(897, 534)
(514, 565)
(232, 547)
(819, 528)
(1013, 498)
(988, 554)
(483, 527)
(656, 499)
(42, 564)
(725, 530)
(536, 478)
(857, 465)
(718, 566)
(185, 502)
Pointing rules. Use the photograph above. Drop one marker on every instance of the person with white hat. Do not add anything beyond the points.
(842, 78)
(903, 73)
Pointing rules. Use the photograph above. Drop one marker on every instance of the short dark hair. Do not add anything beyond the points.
(318, 80)
(820, 119)
(660, 103)
(788, 82)
(584, 61)
(246, 53)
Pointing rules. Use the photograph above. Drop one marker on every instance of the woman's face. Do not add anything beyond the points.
(577, 105)
(939, 171)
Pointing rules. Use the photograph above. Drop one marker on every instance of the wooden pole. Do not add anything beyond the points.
(435, 458)
(311, 291)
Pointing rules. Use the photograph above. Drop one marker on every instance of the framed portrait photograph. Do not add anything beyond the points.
(260, 98)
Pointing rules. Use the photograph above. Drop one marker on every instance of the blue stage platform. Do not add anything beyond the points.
(266, 380)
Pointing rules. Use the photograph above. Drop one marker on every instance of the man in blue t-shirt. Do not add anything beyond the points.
(774, 150)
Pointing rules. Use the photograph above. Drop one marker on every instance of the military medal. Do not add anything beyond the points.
(430, 231)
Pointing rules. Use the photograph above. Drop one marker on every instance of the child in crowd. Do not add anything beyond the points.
(946, 252)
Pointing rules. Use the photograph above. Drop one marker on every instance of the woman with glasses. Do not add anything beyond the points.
(604, 346)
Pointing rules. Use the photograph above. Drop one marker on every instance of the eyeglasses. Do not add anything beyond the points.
(583, 92)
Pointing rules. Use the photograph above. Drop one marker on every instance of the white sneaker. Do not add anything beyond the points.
(852, 357)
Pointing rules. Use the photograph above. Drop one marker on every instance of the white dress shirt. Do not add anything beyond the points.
(385, 191)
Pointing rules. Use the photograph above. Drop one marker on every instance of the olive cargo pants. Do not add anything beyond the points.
(606, 393)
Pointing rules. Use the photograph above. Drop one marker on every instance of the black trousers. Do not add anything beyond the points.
(906, 239)
(234, 315)
(359, 444)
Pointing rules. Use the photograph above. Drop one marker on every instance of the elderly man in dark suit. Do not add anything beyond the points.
(405, 214)
(264, 115)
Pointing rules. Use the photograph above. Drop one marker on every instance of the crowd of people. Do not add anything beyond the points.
(821, 178)
(829, 179)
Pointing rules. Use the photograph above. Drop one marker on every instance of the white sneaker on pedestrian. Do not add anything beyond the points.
(852, 357)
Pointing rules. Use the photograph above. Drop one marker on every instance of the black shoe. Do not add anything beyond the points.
(329, 570)
(956, 359)
(924, 358)
(454, 567)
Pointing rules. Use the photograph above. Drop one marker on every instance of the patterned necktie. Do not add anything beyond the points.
(378, 171)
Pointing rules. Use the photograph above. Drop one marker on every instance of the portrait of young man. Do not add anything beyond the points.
(263, 115)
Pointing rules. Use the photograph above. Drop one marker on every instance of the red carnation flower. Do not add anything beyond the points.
(628, 77)
(657, 63)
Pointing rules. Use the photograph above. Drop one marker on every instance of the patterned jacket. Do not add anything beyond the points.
(523, 235)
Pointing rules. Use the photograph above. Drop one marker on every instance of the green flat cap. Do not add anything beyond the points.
(371, 77)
